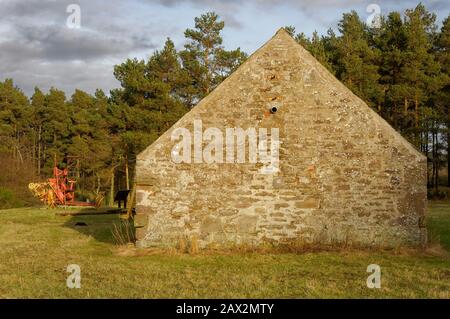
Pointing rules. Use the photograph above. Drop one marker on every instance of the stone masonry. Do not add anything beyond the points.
(345, 175)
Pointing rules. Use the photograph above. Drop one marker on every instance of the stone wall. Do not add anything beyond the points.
(344, 174)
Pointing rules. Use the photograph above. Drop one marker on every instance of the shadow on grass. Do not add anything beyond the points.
(112, 229)
(109, 229)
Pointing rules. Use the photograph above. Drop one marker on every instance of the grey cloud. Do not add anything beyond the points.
(37, 48)
(226, 9)
(65, 76)
(313, 8)
(235, 4)
(42, 24)
(21, 8)
(57, 42)
(306, 4)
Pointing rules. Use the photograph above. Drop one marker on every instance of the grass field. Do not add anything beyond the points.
(36, 247)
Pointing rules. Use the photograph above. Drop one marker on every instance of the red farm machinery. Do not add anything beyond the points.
(58, 190)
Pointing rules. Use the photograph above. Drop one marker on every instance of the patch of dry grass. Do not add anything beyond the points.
(124, 232)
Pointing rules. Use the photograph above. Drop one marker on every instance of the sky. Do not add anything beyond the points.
(43, 42)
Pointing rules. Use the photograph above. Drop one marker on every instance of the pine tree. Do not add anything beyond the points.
(38, 114)
(55, 129)
(442, 97)
(204, 57)
(356, 60)
(420, 70)
(391, 42)
(290, 29)
(318, 49)
(14, 119)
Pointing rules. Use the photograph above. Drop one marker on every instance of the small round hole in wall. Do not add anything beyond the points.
(273, 109)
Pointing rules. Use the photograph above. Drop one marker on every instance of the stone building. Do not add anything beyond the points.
(337, 173)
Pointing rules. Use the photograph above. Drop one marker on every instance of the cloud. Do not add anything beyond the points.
(38, 48)
(228, 10)
(61, 43)
(318, 9)
(65, 76)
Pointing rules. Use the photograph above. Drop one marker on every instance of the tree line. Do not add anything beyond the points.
(401, 69)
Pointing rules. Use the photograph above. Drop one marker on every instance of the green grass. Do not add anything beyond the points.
(439, 223)
(8, 199)
(36, 247)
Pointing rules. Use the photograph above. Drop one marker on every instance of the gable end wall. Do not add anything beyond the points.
(345, 175)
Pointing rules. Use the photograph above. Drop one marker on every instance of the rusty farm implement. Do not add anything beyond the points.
(58, 190)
